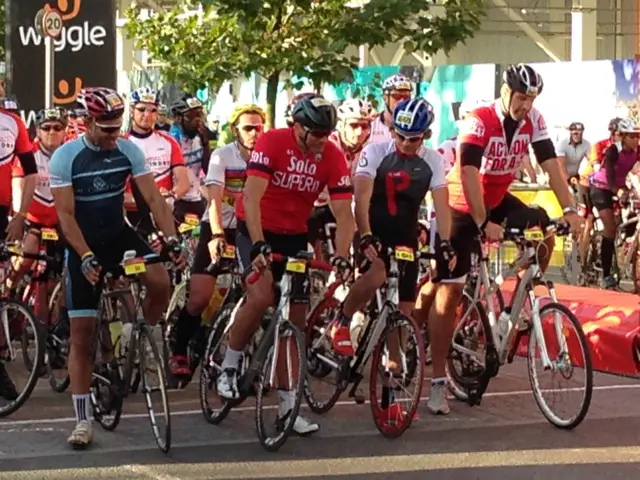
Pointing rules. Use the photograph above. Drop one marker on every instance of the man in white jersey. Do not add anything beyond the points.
(163, 157)
(224, 182)
(395, 89)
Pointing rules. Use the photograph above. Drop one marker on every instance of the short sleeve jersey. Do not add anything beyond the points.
(380, 132)
(352, 161)
(447, 151)
(162, 154)
(573, 153)
(98, 179)
(41, 209)
(400, 185)
(501, 162)
(192, 152)
(14, 140)
(227, 169)
(295, 180)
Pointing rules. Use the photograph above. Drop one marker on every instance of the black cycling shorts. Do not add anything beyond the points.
(585, 200)
(601, 198)
(289, 245)
(320, 216)
(54, 249)
(141, 222)
(202, 257)
(4, 221)
(511, 212)
(82, 298)
(184, 207)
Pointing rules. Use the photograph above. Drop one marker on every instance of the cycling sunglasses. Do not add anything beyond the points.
(251, 128)
(146, 109)
(400, 96)
(317, 133)
(55, 128)
(109, 129)
(404, 138)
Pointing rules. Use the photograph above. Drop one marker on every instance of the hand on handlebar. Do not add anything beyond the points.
(91, 268)
(342, 267)
(216, 247)
(260, 256)
(369, 246)
(576, 223)
(176, 252)
(493, 232)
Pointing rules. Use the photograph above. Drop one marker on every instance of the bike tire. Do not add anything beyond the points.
(144, 334)
(588, 366)
(27, 313)
(274, 444)
(115, 393)
(58, 386)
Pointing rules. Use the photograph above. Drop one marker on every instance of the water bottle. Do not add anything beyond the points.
(125, 337)
(503, 323)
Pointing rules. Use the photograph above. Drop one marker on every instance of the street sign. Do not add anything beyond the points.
(37, 23)
(52, 23)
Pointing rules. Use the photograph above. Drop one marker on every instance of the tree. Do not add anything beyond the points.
(3, 20)
(303, 38)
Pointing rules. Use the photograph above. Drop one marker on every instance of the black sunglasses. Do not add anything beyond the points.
(145, 109)
(55, 128)
(109, 129)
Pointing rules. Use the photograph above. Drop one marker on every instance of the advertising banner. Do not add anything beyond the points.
(85, 52)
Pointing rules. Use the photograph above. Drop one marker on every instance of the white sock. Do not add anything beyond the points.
(439, 381)
(287, 399)
(82, 406)
(231, 359)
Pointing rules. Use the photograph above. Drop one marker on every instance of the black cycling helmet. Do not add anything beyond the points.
(184, 104)
(613, 124)
(56, 114)
(316, 113)
(524, 79)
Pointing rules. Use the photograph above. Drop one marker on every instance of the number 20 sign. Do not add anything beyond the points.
(52, 23)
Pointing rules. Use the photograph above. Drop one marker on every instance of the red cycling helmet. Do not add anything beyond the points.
(101, 103)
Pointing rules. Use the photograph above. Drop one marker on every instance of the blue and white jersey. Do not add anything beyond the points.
(98, 178)
(192, 151)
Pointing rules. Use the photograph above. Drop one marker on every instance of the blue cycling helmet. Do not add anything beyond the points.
(145, 95)
(413, 117)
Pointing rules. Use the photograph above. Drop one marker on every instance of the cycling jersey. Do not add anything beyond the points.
(352, 161)
(14, 140)
(162, 155)
(400, 185)
(574, 153)
(295, 180)
(98, 178)
(193, 152)
(41, 210)
(484, 127)
(622, 161)
(447, 151)
(227, 169)
(380, 132)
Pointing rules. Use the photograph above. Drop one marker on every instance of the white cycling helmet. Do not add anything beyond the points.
(468, 106)
(627, 125)
(397, 82)
(355, 109)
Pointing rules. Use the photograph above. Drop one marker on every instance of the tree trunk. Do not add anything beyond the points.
(272, 94)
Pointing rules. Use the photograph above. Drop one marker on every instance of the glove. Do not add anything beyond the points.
(260, 248)
(448, 252)
(369, 240)
(89, 262)
(341, 264)
(174, 245)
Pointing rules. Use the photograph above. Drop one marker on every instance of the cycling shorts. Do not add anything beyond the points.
(288, 245)
(601, 198)
(82, 298)
(585, 200)
(511, 212)
(202, 257)
(141, 222)
(320, 216)
(55, 249)
(184, 207)
(4, 221)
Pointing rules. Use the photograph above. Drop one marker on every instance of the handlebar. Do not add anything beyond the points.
(15, 251)
(130, 266)
(556, 227)
(303, 257)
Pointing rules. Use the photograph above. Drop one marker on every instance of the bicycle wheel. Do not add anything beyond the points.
(570, 357)
(177, 301)
(150, 360)
(22, 323)
(57, 342)
(287, 334)
(106, 397)
(216, 408)
(470, 335)
(391, 414)
(325, 391)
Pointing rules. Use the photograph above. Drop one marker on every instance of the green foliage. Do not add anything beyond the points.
(303, 38)
(3, 20)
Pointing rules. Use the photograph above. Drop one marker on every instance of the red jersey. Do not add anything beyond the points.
(41, 209)
(14, 140)
(597, 151)
(295, 180)
(500, 163)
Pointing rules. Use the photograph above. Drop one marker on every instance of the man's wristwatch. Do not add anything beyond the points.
(567, 210)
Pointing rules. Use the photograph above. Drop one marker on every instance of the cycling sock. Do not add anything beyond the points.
(186, 327)
(439, 381)
(606, 250)
(231, 359)
(287, 400)
(82, 406)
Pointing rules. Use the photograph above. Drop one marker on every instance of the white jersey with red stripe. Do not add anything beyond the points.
(41, 209)
(447, 151)
(484, 127)
(380, 132)
(162, 154)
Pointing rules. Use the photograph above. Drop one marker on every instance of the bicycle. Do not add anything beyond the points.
(384, 318)
(258, 368)
(502, 334)
(142, 352)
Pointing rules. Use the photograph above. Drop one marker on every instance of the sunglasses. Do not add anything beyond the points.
(632, 135)
(109, 129)
(251, 128)
(362, 125)
(146, 109)
(49, 128)
(404, 138)
(577, 130)
(400, 96)
(317, 133)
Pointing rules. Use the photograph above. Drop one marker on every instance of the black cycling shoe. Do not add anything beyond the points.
(7, 387)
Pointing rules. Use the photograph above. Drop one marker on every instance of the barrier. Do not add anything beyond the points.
(611, 323)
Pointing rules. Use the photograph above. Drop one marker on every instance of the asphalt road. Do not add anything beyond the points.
(505, 438)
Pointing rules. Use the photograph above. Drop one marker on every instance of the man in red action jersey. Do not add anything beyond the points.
(287, 171)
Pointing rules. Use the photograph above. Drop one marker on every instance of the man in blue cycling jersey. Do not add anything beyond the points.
(88, 178)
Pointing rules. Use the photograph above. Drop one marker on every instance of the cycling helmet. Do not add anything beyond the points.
(289, 110)
(51, 114)
(184, 104)
(396, 82)
(100, 102)
(627, 125)
(524, 79)
(413, 117)
(10, 105)
(145, 95)
(613, 124)
(315, 113)
(163, 109)
(468, 106)
(355, 108)
(576, 126)
(240, 110)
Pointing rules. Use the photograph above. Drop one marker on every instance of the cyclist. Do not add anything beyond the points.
(352, 132)
(163, 158)
(187, 130)
(87, 178)
(391, 180)
(161, 122)
(571, 151)
(492, 143)
(288, 113)
(395, 89)
(287, 171)
(224, 182)
(609, 183)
